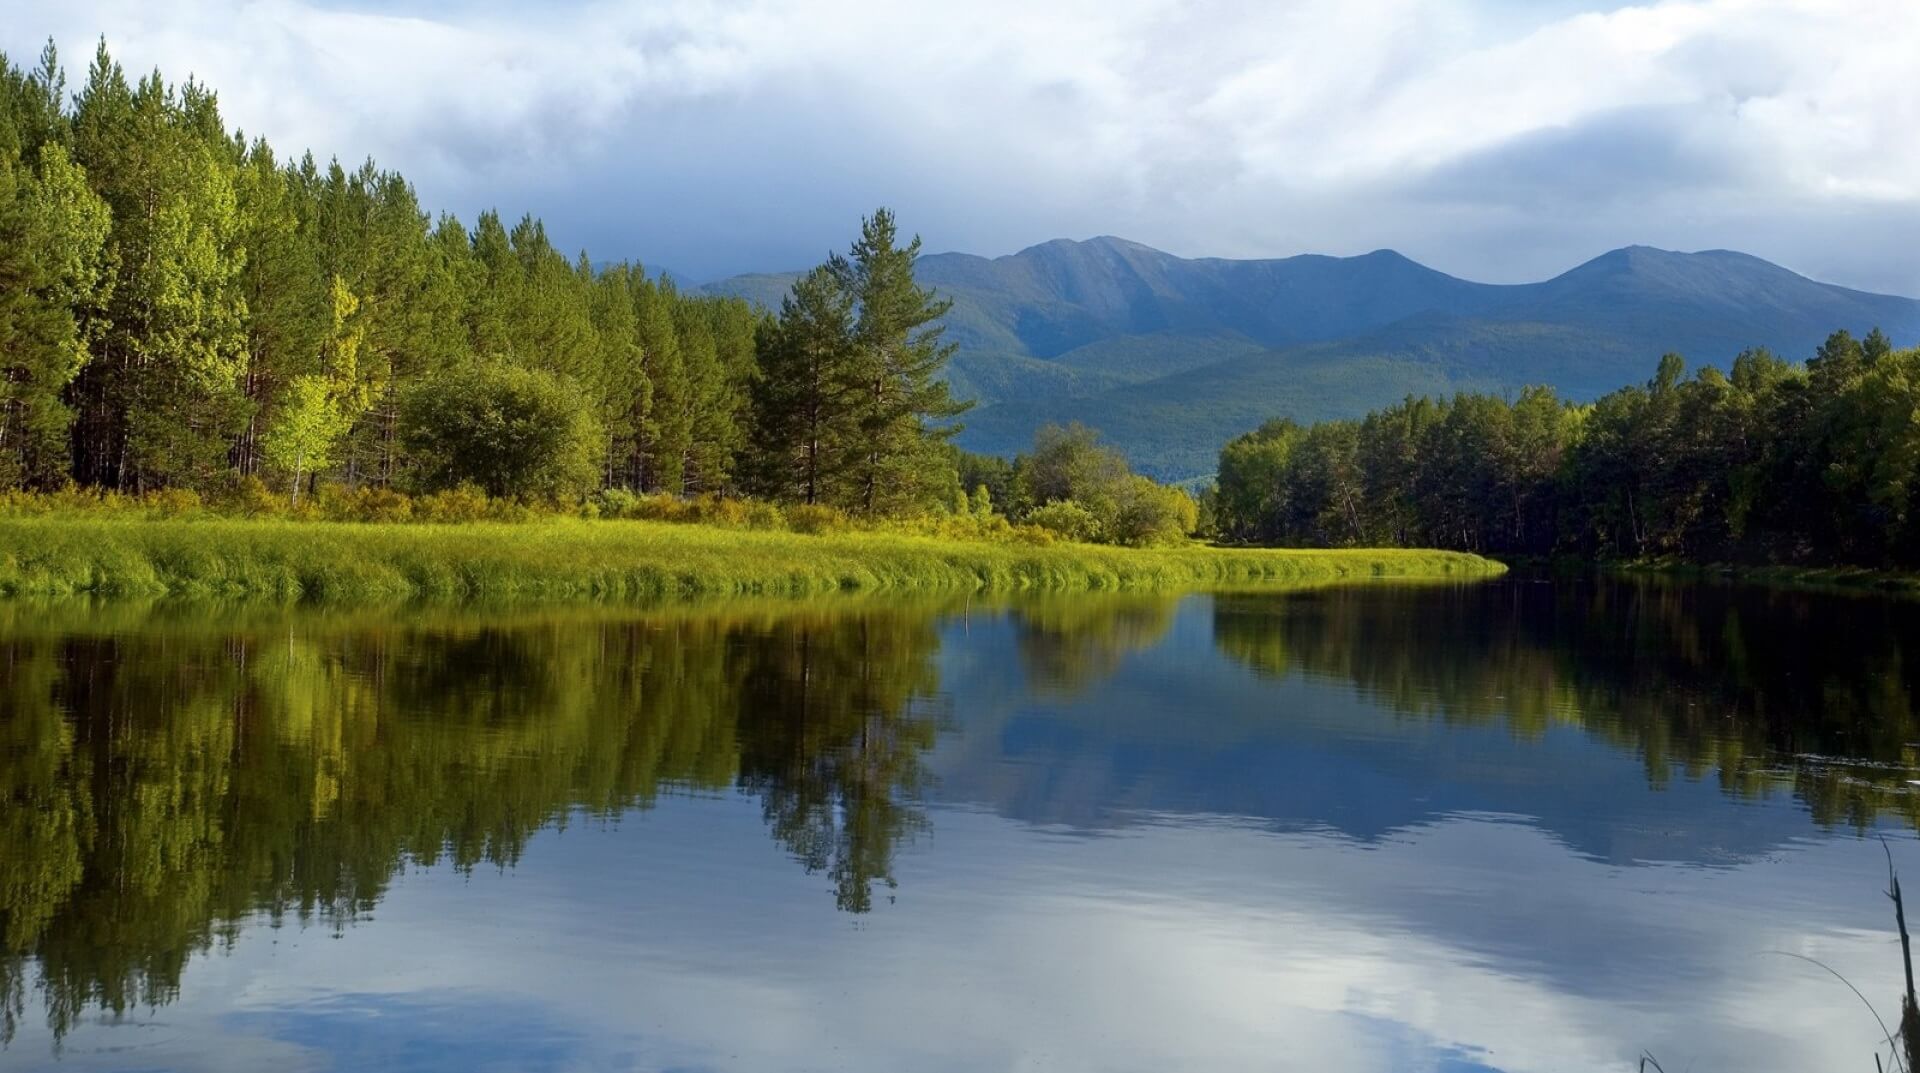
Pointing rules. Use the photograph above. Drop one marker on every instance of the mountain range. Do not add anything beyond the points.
(1170, 357)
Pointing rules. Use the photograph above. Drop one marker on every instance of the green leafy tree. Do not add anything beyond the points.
(319, 408)
(512, 431)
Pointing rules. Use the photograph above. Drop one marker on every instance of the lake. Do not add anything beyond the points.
(1517, 825)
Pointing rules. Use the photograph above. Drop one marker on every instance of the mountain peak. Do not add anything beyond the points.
(1096, 243)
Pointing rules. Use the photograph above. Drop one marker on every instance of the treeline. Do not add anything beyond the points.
(179, 308)
(182, 310)
(1772, 462)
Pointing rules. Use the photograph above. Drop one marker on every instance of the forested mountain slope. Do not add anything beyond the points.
(1172, 356)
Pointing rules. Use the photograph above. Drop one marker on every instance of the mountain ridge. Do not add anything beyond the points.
(1171, 356)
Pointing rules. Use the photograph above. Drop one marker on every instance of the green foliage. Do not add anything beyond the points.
(133, 551)
(895, 357)
(806, 425)
(1068, 520)
(180, 308)
(1171, 357)
(1076, 487)
(510, 430)
(53, 233)
(1773, 463)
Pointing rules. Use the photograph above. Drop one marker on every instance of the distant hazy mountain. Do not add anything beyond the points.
(1171, 356)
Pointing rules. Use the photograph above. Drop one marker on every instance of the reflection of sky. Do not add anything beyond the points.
(1094, 896)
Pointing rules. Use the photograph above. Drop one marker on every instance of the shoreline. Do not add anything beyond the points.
(62, 556)
(1858, 579)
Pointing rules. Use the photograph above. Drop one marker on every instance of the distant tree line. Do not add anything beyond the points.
(1771, 462)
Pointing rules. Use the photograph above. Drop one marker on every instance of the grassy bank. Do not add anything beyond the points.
(574, 559)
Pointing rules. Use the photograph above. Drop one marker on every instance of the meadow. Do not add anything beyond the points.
(558, 557)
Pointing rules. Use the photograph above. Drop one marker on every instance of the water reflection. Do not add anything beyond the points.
(1361, 827)
(162, 786)
(1759, 689)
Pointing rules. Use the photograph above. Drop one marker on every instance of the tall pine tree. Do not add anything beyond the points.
(899, 356)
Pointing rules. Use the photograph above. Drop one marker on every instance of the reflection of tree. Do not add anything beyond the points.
(161, 787)
(1067, 643)
(1760, 688)
(834, 735)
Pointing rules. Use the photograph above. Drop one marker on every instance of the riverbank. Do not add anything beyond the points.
(563, 558)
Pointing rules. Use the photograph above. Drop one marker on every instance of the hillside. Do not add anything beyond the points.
(1172, 356)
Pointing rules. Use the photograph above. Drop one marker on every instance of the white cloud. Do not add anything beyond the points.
(722, 135)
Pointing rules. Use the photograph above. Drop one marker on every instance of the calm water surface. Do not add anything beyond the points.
(1510, 826)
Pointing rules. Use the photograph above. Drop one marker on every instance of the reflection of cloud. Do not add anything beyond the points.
(724, 136)
(674, 941)
(425, 1032)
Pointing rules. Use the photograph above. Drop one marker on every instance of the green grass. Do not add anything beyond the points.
(570, 559)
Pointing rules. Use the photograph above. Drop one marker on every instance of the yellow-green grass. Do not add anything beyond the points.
(574, 559)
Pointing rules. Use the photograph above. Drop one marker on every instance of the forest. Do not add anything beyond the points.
(185, 312)
(1773, 462)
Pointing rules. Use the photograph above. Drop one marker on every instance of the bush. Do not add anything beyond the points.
(815, 518)
(462, 503)
(509, 430)
(615, 503)
(764, 515)
(1147, 514)
(1067, 520)
(173, 502)
(250, 497)
(363, 504)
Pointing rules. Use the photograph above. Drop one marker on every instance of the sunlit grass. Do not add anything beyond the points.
(612, 560)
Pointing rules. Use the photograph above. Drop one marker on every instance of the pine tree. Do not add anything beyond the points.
(53, 233)
(161, 399)
(713, 435)
(616, 382)
(805, 425)
(285, 295)
(900, 356)
(663, 435)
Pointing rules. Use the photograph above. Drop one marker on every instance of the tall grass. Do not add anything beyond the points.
(566, 558)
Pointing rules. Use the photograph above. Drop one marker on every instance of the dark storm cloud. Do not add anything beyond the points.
(1494, 138)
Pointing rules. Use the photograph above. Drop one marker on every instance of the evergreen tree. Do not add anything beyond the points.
(899, 357)
(53, 277)
(285, 294)
(161, 399)
(664, 434)
(806, 427)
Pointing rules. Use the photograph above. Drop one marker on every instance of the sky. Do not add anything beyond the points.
(1501, 140)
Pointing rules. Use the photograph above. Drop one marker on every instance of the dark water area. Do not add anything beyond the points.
(1514, 825)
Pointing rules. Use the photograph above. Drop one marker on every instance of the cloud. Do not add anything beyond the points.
(1499, 139)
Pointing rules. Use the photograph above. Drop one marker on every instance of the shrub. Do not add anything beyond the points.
(764, 515)
(815, 518)
(461, 503)
(509, 430)
(1147, 514)
(1067, 520)
(615, 503)
(173, 502)
(364, 504)
(250, 497)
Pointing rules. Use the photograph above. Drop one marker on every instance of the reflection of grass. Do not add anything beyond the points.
(1818, 578)
(567, 559)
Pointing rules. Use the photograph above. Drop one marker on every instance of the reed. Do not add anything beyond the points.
(576, 559)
